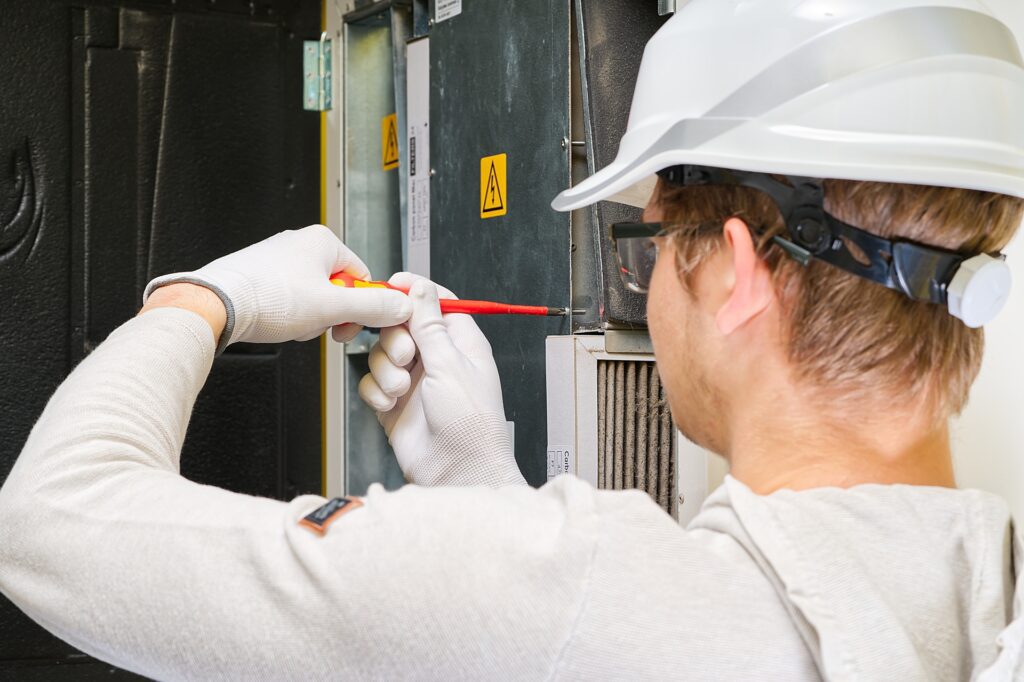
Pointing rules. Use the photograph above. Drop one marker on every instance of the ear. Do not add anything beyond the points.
(752, 290)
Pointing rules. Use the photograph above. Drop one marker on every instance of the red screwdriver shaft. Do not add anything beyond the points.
(449, 305)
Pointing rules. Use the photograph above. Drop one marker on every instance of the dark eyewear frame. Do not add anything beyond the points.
(636, 230)
(636, 249)
(636, 252)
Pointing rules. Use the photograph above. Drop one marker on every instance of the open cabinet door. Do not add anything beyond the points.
(140, 138)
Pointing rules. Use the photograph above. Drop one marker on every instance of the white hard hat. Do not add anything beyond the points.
(919, 92)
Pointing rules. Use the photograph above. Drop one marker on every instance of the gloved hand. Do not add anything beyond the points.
(441, 408)
(279, 290)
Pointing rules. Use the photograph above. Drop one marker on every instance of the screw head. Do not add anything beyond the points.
(812, 235)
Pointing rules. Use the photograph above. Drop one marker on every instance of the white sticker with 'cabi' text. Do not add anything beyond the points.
(560, 461)
(446, 9)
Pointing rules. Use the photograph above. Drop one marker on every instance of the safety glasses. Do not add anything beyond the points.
(636, 248)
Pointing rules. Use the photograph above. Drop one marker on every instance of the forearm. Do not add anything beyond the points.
(128, 403)
(109, 435)
(125, 406)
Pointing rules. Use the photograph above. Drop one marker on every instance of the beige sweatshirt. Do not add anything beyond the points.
(108, 547)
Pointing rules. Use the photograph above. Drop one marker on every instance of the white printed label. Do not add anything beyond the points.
(419, 187)
(418, 167)
(446, 9)
(560, 461)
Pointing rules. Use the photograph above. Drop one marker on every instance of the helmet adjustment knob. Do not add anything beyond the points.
(979, 290)
(813, 235)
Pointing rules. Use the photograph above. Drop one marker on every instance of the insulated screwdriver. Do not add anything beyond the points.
(450, 305)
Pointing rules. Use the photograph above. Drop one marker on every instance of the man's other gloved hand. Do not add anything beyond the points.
(436, 391)
(279, 290)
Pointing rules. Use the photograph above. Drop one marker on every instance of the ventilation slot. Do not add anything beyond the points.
(635, 433)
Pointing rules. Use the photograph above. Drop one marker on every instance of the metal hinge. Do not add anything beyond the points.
(316, 69)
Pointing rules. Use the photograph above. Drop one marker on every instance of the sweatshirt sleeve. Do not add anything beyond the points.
(105, 545)
(1009, 663)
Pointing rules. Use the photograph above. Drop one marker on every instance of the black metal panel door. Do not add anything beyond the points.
(499, 84)
(139, 138)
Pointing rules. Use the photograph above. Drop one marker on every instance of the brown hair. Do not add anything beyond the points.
(848, 338)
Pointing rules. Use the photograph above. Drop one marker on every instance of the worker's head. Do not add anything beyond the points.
(863, 291)
(728, 307)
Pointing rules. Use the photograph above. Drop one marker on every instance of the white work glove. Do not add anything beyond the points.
(279, 290)
(441, 407)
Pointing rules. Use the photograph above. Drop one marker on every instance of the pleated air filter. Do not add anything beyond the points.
(635, 432)
(609, 424)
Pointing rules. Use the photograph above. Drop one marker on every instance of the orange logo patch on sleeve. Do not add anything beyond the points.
(320, 518)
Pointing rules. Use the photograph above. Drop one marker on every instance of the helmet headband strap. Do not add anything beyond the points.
(920, 272)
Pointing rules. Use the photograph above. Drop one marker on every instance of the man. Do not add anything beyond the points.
(814, 332)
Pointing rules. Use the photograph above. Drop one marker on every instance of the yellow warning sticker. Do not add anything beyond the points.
(493, 186)
(389, 141)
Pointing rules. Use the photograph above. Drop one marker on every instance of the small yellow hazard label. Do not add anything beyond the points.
(389, 141)
(493, 186)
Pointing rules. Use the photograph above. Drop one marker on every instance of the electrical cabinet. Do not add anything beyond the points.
(498, 130)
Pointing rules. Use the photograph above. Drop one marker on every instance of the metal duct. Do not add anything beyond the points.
(635, 432)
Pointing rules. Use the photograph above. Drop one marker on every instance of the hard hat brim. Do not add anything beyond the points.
(750, 145)
(609, 184)
(869, 116)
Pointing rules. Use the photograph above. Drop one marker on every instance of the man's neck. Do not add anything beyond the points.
(771, 454)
